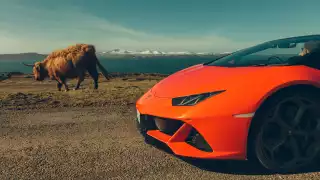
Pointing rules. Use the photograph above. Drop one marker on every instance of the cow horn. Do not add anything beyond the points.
(28, 64)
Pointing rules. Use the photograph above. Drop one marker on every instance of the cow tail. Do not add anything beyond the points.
(102, 69)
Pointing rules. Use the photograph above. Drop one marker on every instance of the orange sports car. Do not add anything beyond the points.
(260, 104)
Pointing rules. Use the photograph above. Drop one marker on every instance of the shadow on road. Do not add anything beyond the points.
(229, 167)
(239, 167)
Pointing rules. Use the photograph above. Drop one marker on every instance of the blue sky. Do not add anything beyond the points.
(166, 25)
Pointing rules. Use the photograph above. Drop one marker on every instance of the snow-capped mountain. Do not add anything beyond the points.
(147, 52)
(118, 51)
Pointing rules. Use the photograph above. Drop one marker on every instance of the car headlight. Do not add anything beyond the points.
(193, 99)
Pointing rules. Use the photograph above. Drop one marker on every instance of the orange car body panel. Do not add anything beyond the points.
(245, 89)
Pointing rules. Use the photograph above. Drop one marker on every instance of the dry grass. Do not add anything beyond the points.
(22, 93)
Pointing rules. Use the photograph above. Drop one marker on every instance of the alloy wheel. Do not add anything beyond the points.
(290, 136)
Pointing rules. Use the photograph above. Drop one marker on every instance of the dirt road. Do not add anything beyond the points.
(92, 135)
(97, 143)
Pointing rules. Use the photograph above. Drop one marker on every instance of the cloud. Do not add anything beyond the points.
(34, 29)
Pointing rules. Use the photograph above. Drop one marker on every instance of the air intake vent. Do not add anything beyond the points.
(196, 140)
(167, 126)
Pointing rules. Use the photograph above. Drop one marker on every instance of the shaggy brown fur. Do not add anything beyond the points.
(71, 62)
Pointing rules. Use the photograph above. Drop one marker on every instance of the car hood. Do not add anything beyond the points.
(201, 78)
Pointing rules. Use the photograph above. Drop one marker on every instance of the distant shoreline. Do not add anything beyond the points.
(113, 74)
(40, 57)
(121, 66)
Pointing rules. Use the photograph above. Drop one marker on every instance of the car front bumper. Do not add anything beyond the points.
(211, 138)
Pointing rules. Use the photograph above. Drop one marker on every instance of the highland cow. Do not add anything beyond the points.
(69, 63)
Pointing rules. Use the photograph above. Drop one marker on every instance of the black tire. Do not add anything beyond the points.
(273, 130)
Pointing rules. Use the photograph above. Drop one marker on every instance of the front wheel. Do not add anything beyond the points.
(288, 135)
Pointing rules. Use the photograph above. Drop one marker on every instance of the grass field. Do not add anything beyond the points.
(20, 92)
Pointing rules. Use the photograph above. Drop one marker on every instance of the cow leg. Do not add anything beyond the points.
(59, 85)
(62, 81)
(95, 75)
(80, 80)
(65, 85)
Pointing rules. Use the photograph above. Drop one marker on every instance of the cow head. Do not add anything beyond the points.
(39, 71)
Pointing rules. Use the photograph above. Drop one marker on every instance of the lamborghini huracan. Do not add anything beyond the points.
(259, 104)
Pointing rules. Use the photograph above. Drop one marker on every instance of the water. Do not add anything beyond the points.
(163, 65)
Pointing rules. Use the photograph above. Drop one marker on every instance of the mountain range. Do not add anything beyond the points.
(115, 53)
(152, 52)
(22, 56)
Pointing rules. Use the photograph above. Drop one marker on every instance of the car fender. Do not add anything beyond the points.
(288, 84)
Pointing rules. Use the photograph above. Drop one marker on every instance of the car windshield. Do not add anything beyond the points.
(276, 52)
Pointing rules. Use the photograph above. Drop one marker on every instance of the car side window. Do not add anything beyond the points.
(272, 55)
